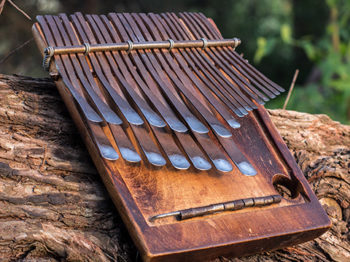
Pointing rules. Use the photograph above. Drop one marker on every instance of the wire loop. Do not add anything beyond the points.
(205, 43)
(131, 46)
(171, 41)
(236, 42)
(48, 54)
(87, 48)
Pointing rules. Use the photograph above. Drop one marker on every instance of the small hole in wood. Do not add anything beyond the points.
(285, 187)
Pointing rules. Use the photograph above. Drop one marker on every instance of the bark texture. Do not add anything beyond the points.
(53, 205)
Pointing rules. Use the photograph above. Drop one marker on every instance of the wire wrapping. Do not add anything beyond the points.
(48, 54)
(87, 48)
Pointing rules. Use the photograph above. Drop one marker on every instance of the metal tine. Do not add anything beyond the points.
(241, 68)
(164, 138)
(193, 151)
(125, 147)
(148, 113)
(232, 104)
(166, 112)
(76, 91)
(237, 78)
(178, 77)
(217, 54)
(215, 154)
(186, 87)
(174, 154)
(208, 80)
(147, 146)
(237, 157)
(158, 102)
(122, 104)
(200, 59)
(235, 154)
(256, 72)
(146, 143)
(104, 146)
(212, 100)
(190, 147)
(154, 68)
(196, 156)
(169, 79)
(252, 71)
(212, 150)
(88, 84)
(233, 74)
(220, 56)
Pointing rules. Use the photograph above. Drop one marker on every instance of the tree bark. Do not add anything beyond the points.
(53, 205)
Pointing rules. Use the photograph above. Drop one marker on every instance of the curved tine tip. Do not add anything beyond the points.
(113, 119)
(91, 115)
(266, 99)
(255, 106)
(239, 113)
(179, 161)
(155, 158)
(244, 110)
(221, 130)
(129, 155)
(222, 165)
(133, 118)
(246, 169)
(248, 109)
(154, 120)
(108, 152)
(233, 123)
(94, 118)
(276, 92)
(200, 163)
(196, 125)
(281, 89)
(272, 96)
(177, 126)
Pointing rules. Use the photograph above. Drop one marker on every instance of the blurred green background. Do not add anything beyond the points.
(278, 37)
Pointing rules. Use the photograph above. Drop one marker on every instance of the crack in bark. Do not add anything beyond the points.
(60, 210)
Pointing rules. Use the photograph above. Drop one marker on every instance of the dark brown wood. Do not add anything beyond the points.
(54, 206)
(236, 84)
(141, 191)
(228, 89)
(191, 21)
(82, 49)
(212, 31)
(231, 149)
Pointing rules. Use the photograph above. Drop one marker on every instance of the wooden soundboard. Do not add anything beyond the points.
(184, 193)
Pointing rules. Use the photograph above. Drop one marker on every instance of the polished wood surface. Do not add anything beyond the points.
(142, 188)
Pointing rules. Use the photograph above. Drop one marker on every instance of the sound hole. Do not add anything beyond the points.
(285, 187)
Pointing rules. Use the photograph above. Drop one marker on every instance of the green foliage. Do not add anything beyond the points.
(257, 23)
(277, 36)
(331, 57)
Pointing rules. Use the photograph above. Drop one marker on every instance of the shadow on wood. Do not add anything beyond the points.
(54, 206)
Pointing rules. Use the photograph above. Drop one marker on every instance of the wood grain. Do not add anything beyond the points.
(55, 207)
(156, 186)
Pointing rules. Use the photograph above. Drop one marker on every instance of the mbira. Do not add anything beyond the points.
(173, 119)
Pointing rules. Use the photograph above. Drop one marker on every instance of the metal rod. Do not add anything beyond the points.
(86, 48)
(221, 207)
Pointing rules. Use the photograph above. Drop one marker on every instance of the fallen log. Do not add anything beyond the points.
(53, 205)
